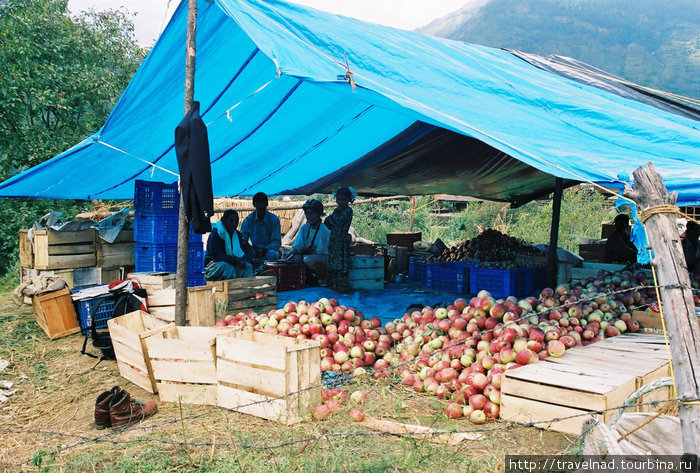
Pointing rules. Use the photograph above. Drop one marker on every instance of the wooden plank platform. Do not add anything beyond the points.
(599, 377)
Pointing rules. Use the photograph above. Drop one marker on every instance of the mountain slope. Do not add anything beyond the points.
(656, 44)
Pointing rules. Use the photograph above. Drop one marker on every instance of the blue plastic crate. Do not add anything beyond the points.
(535, 279)
(499, 282)
(451, 277)
(152, 227)
(416, 270)
(94, 309)
(162, 257)
(195, 279)
(156, 197)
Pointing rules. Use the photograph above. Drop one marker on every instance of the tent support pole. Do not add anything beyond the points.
(554, 233)
(651, 196)
(183, 223)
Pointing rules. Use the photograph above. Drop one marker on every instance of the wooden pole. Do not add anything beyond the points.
(183, 223)
(554, 232)
(678, 307)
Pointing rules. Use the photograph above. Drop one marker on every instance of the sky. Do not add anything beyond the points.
(152, 15)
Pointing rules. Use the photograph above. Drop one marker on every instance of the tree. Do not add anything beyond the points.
(60, 78)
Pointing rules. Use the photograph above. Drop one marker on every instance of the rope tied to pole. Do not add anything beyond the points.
(659, 209)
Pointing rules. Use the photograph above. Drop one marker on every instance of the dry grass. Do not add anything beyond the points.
(47, 424)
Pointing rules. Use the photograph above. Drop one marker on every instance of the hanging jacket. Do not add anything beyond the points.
(192, 149)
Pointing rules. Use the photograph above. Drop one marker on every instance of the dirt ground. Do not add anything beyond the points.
(47, 425)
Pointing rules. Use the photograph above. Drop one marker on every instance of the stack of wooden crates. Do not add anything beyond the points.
(81, 258)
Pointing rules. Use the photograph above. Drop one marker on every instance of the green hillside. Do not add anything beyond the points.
(653, 43)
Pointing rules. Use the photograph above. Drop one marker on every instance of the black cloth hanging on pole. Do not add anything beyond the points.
(192, 149)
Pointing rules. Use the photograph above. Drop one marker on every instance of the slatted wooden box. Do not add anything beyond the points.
(60, 250)
(55, 314)
(128, 333)
(257, 294)
(650, 322)
(597, 377)
(201, 303)
(118, 253)
(366, 273)
(184, 363)
(26, 250)
(268, 376)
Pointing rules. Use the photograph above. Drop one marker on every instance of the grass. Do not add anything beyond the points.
(47, 425)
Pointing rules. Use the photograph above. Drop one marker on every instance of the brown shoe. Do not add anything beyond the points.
(125, 412)
(102, 419)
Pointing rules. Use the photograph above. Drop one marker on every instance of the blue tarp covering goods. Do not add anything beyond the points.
(300, 101)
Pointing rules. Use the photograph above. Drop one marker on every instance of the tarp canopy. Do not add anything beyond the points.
(426, 115)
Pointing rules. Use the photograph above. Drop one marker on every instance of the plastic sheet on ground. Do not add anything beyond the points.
(387, 304)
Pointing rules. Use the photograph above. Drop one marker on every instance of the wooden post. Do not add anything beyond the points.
(679, 310)
(554, 233)
(413, 212)
(183, 223)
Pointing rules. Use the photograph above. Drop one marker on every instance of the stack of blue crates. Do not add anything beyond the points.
(156, 207)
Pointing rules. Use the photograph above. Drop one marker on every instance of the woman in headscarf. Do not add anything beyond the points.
(339, 243)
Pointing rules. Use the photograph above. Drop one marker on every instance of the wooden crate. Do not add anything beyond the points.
(200, 303)
(597, 377)
(109, 275)
(592, 251)
(55, 314)
(366, 273)
(403, 239)
(590, 270)
(128, 333)
(257, 294)
(118, 253)
(650, 321)
(154, 281)
(26, 250)
(61, 250)
(268, 376)
(184, 363)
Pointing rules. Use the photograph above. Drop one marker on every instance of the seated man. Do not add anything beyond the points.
(262, 229)
(228, 256)
(619, 248)
(311, 244)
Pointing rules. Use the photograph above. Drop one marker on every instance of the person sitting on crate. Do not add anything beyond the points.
(311, 243)
(262, 229)
(228, 255)
(619, 248)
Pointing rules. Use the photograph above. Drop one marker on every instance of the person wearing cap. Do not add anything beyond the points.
(262, 229)
(691, 249)
(228, 255)
(619, 248)
(339, 244)
(311, 243)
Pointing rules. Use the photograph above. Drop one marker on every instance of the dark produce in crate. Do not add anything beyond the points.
(492, 249)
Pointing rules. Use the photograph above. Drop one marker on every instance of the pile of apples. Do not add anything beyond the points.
(349, 342)
(460, 352)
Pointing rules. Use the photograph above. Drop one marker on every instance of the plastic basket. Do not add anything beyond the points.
(152, 227)
(289, 276)
(195, 279)
(90, 310)
(535, 279)
(162, 257)
(451, 277)
(416, 270)
(499, 282)
(156, 197)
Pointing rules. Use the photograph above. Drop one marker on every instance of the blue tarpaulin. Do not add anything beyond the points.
(299, 101)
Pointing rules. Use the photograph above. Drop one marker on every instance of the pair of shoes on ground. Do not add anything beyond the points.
(115, 408)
